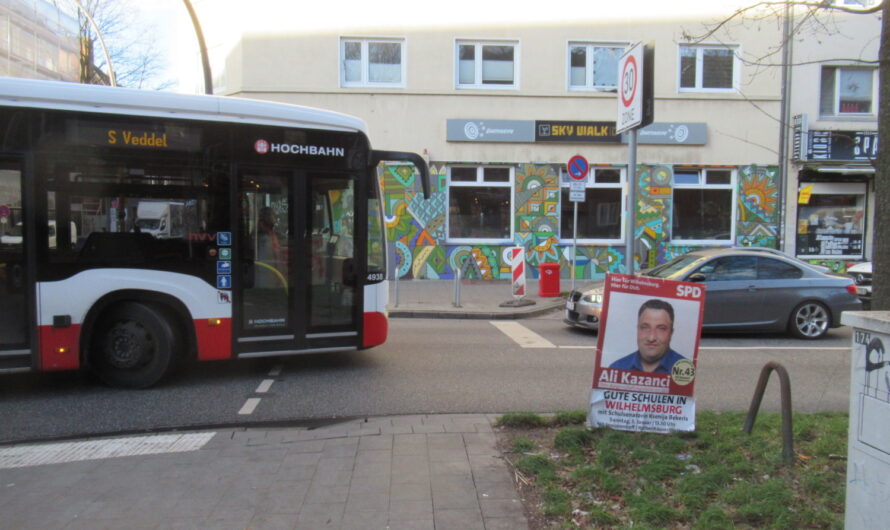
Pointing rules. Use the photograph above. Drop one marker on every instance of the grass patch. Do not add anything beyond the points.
(572, 417)
(717, 477)
(537, 466)
(519, 420)
(523, 445)
(573, 439)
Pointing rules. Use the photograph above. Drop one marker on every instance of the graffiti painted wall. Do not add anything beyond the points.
(416, 228)
(757, 222)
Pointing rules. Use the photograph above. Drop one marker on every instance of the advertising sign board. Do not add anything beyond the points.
(644, 381)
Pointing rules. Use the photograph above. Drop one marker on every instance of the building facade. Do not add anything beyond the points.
(39, 39)
(499, 108)
(834, 141)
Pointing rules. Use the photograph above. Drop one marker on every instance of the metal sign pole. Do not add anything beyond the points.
(575, 245)
(631, 223)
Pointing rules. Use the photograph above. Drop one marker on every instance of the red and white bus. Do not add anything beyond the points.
(139, 228)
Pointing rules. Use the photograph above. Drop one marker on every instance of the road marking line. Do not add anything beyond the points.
(264, 386)
(249, 406)
(522, 335)
(62, 452)
(700, 348)
(806, 348)
(276, 371)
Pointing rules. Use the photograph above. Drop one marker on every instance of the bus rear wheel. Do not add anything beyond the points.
(133, 346)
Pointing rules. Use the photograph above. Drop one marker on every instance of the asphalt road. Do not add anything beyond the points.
(426, 366)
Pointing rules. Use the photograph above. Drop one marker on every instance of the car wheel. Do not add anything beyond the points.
(133, 346)
(809, 320)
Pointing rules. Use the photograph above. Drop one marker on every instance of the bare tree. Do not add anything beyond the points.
(137, 62)
(811, 22)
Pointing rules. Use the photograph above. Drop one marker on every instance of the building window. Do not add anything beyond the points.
(708, 67)
(703, 206)
(372, 62)
(847, 91)
(601, 214)
(480, 203)
(831, 224)
(594, 66)
(487, 64)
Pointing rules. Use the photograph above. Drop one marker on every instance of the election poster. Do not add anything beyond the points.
(647, 354)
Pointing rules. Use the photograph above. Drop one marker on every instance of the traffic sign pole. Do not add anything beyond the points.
(635, 109)
(630, 222)
(575, 246)
(579, 171)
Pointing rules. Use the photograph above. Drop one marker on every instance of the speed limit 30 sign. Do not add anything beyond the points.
(630, 101)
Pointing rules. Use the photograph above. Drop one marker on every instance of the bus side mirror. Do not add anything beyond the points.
(697, 277)
(414, 158)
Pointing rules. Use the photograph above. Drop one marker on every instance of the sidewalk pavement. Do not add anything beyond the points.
(433, 472)
(482, 299)
(403, 472)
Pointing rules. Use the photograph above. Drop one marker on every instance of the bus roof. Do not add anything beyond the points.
(59, 95)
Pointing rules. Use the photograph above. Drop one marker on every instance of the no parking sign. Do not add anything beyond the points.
(578, 169)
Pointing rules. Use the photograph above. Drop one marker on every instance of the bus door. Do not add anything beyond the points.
(15, 302)
(295, 279)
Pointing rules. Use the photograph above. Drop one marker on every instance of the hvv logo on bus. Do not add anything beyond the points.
(262, 147)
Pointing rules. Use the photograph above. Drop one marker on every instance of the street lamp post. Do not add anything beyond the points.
(205, 60)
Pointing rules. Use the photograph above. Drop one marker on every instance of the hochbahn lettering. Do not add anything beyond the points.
(262, 147)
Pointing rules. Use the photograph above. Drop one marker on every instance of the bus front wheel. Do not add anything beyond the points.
(133, 345)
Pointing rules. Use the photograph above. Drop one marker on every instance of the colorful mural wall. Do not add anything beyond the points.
(416, 227)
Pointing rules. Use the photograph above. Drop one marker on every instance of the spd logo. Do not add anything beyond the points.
(688, 291)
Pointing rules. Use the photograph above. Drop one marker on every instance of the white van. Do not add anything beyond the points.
(162, 219)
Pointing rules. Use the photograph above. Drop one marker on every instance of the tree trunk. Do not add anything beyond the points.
(881, 239)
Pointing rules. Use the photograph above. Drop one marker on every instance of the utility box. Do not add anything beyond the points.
(548, 284)
(868, 449)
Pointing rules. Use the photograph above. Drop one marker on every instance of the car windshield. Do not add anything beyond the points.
(673, 267)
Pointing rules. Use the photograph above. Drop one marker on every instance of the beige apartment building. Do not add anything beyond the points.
(39, 39)
(834, 140)
(499, 106)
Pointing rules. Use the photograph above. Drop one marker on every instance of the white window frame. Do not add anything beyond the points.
(835, 104)
(565, 183)
(702, 172)
(478, 44)
(589, 86)
(365, 61)
(699, 70)
(481, 183)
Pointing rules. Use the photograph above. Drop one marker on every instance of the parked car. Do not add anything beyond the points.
(777, 252)
(861, 274)
(746, 290)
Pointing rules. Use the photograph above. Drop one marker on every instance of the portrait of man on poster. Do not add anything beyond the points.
(655, 328)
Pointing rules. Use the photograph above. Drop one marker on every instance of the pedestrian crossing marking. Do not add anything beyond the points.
(62, 452)
(523, 336)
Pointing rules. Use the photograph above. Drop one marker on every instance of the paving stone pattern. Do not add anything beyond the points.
(407, 472)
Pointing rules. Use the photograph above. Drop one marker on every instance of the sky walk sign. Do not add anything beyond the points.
(644, 381)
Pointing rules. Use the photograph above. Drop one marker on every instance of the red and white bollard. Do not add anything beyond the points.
(517, 255)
